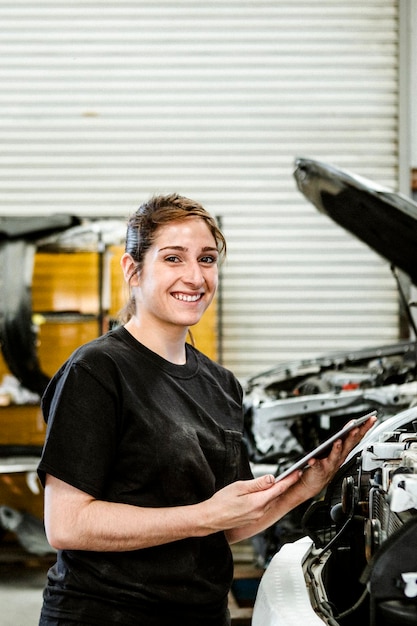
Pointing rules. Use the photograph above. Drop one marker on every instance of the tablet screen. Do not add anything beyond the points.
(324, 447)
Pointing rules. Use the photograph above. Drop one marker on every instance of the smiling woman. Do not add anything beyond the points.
(146, 476)
(183, 245)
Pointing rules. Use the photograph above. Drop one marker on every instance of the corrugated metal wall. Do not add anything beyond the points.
(104, 103)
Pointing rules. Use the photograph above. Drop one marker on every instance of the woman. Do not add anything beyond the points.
(146, 477)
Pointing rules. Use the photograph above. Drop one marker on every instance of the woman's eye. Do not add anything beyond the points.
(208, 259)
(172, 259)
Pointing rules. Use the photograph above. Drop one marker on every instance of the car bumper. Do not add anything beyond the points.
(283, 598)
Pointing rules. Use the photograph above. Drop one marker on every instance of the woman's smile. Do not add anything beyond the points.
(188, 298)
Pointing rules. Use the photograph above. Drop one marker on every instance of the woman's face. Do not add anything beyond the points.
(179, 275)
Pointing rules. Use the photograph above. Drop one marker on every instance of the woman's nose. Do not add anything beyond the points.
(194, 275)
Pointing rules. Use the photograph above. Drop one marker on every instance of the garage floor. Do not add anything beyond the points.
(21, 584)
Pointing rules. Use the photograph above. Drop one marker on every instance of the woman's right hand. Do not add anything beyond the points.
(245, 502)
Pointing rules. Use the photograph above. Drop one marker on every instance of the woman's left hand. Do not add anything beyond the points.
(321, 471)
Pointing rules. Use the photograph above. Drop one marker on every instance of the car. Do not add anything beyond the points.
(350, 555)
(357, 560)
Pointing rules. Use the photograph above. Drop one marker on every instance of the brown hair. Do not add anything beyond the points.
(144, 223)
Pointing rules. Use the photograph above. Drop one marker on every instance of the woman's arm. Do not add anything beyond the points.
(75, 520)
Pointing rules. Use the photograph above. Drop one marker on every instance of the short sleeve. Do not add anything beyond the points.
(81, 416)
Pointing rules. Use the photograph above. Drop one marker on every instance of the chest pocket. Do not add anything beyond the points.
(222, 452)
(233, 447)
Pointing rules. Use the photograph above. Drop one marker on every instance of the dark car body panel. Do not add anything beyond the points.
(385, 221)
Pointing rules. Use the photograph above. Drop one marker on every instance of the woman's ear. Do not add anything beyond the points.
(129, 267)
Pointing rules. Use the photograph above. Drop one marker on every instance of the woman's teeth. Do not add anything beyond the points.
(185, 298)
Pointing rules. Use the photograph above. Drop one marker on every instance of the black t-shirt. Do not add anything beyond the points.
(125, 425)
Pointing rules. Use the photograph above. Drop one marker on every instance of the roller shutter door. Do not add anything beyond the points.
(104, 103)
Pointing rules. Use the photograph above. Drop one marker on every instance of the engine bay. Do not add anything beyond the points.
(363, 565)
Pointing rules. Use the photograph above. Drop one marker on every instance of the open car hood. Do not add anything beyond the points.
(386, 221)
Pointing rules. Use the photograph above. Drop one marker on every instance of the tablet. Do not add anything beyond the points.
(325, 446)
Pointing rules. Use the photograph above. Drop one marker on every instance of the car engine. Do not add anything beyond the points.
(291, 408)
(362, 567)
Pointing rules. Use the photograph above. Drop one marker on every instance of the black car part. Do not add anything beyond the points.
(18, 337)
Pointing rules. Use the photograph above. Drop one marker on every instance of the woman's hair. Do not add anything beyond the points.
(143, 225)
